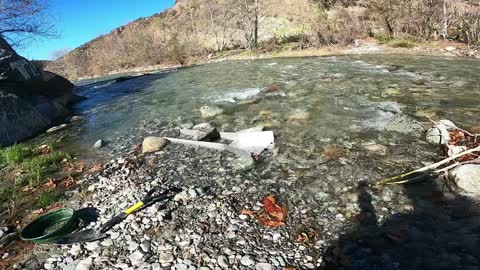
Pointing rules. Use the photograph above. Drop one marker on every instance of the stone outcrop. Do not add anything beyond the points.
(30, 99)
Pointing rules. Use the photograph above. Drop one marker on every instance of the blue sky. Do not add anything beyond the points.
(79, 21)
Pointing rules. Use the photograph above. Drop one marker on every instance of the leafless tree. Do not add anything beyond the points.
(22, 20)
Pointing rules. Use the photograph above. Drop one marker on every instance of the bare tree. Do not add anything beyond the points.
(57, 54)
(22, 20)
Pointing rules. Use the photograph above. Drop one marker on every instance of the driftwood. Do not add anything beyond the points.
(427, 170)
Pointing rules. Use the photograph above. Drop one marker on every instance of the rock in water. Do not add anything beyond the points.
(467, 177)
(98, 144)
(243, 163)
(56, 128)
(153, 144)
(210, 111)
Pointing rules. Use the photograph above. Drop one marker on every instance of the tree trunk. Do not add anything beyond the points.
(255, 38)
(445, 20)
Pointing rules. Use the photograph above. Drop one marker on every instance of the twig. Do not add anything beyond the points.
(431, 166)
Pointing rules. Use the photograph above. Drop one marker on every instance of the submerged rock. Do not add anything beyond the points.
(434, 136)
(210, 111)
(98, 144)
(153, 144)
(467, 177)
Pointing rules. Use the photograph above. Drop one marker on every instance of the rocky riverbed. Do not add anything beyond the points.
(343, 220)
(340, 125)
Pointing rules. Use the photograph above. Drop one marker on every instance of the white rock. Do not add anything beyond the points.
(263, 266)
(156, 266)
(107, 243)
(132, 246)
(85, 264)
(53, 129)
(434, 136)
(450, 49)
(75, 250)
(153, 144)
(165, 258)
(467, 177)
(92, 246)
(222, 261)
(48, 266)
(181, 266)
(98, 144)
(136, 257)
(247, 260)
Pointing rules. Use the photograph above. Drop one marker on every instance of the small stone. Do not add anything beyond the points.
(48, 266)
(85, 264)
(376, 148)
(75, 250)
(114, 235)
(434, 136)
(107, 243)
(132, 246)
(98, 144)
(153, 144)
(243, 163)
(263, 266)
(450, 49)
(156, 266)
(56, 128)
(247, 260)
(136, 257)
(222, 261)
(181, 266)
(145, 246)
(210, 111)
(165, 258)
(92, 246)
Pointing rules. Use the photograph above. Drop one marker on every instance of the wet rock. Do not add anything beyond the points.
(153, 144)
(75, 118)
(243, 163)
(450, 49)
(85, 264)
(98, 144)
(434, 136)
(376, 148)
(210, 111)
(56, 128)
(202, 132)
(467, 177)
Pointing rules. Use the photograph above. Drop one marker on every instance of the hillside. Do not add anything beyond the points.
(196, 29)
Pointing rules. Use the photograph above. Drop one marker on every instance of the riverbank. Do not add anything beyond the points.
(363, 47)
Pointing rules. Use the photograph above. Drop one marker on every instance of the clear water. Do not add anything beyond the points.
(325, 98)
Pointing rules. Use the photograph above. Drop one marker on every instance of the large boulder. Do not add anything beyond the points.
(30, 99)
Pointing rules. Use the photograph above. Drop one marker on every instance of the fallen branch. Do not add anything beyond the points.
(403, 178)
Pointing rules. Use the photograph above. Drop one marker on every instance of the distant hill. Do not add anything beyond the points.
(194, 29)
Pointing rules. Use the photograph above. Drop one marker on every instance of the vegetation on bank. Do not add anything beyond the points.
(196, 29)
(28, 179)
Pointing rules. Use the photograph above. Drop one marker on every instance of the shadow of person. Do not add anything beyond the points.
(441, 232)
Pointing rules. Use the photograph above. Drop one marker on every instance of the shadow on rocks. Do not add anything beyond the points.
(441, 232)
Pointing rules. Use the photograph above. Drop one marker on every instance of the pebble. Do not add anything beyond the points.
(85, 264)
(247, 260)
(156, 266)
(92, 246)
(222, 261)
(136, 257)
(165, 258)
(263, 266)
(132, 246)
(181, 266)
(98, 144)
(107, 243)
